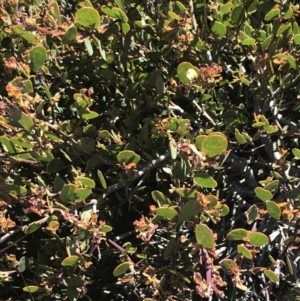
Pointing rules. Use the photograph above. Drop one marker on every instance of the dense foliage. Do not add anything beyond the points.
(149, 150)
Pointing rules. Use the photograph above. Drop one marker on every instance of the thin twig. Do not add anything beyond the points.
(204, 113)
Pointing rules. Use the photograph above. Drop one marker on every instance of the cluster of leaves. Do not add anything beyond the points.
(149, 150)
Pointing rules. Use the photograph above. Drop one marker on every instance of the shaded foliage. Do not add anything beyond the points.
(149, 150)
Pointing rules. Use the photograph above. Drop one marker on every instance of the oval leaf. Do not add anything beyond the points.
(271, 275)
(166, 212)
(258, 239)
(121, 269)
(70, 261)
(37, 57)
(237, 234)
(205, 236)
(160, 198)
(214, 144)
(202, 179)
(244, 251)
(219, 29)
(189, 210)
(263, 194)
(273, 209)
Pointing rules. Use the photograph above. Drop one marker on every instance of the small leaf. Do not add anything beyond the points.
(248, 42)
(81, 194)
(54, 9)
(87, 114)
(167, 212)
(14, 189)
(224, 210)
(272, 14)
(160, 198)
(128, 157)
(263, 194)
(106, 229)
(252, 214)
(228, 264)
(24, 264)
(32, 228)
(88, 17)
(244, 251)
(239, 137)
(188, 193)
(273, 209)
(24, 120)
(70, 261)
(271, 275)
(219, 29)
(182, 72)
(56, 165)
(68, 193)
(205, 236)
(160, 85)
(272, 186)
(169, 249)
(214, 144)
(202, 179)
(297, 39)
(32, 289)
(296, 153)
(70, 35)
(237, 234)
(121, 269)
(28, 36)
(237, 14)
(258, 239)
(87, 182)
(37, 57)
(101, 179)
(189, 210)
(293, 194)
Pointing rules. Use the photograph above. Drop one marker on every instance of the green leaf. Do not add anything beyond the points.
(106, 229)
(272, 14)
(188, 193)
(224, 210)
(258, 239)
(128, 157)
(87, 114)
(121, 269)
(160, 85)
(108, 75)
(272, 186)
(239, 137)
(225, 8)
(237, 234)
(273, 209)
(296, 153)
(28, 36)
(167, 212)
(32, 289)
(263, 194)
(56, 165)
(296, 39)
(184, 71)
(189, 210)
(202, 179)
(214, 144)
(244, 251)
(237, 14)
(37, 57)
(88, 46)
(252, 214)
(101, 179)
(169, 249)
(88, 17)
(70, 261)
(87, 182)
(293, 194)
(14, 189)
(24, 264)
(204, 236)
(120, 4)
(219, 29)
(228, 264)
(248, 42)
(160, 198)
(70, 35)
(81, 194)
(272, 275)
(68, 193)
(25, 121)
(32, 228)
(54, 10)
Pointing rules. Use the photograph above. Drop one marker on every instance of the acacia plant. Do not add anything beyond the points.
(149, 150)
